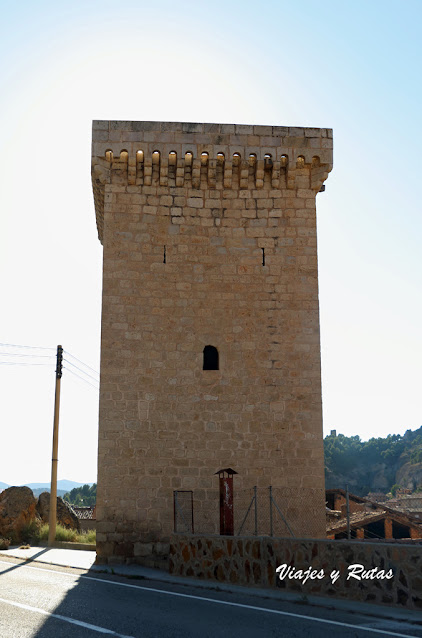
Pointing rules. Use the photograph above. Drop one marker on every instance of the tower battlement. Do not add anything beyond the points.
(207, 156)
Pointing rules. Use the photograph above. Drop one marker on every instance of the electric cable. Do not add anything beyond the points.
(83, 372)
(21, 363)
(81, 378)
(85, 364)
(17, 354)
(14, 345)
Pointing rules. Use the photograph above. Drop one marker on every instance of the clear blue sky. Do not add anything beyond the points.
(354, 66)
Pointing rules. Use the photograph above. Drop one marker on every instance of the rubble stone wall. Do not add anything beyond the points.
(253, 561)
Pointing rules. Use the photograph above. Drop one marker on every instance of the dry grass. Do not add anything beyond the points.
(69, 535)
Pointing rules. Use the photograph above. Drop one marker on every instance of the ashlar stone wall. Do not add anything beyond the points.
(209, 235)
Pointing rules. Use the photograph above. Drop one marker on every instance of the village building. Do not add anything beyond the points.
(336, 500)
(376, 525)
(368, 519)
(403, 491)
(210, 347)
(86, 516)
(410, 503)
(377, 497)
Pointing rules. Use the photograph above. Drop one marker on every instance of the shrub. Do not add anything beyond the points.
(30, 532)
(394, 489)
(4, 543)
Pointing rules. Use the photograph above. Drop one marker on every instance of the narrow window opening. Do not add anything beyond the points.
(164, 255)
(263, 256)
(210, 358)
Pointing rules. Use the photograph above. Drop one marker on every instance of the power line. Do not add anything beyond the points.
(81, 378)
(14, 345)
(21, 363)
(46, 356)
(17, 354)
(80, 370)
(85, 364)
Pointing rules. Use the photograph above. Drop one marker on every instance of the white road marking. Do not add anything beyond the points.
(224, 602)
(43, 569)
(85, 625)
(254, 608)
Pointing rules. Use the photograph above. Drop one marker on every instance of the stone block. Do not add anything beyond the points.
(143, 549)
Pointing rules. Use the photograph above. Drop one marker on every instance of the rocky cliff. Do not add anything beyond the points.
(374, 465)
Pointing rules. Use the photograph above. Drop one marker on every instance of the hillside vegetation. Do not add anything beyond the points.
(82, 496)
(375, 465)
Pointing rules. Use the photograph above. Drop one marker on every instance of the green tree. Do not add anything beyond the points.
(394, 489)
(82, 496)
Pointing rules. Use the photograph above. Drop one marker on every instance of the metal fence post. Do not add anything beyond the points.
(191, 506)
(271, 510)
(348, 511)
(256, 511)
(175, 510)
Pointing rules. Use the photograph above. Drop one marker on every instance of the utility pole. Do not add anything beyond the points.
(348, 511)
(54, 461)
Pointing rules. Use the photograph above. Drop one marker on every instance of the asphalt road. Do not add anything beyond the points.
(48, 602)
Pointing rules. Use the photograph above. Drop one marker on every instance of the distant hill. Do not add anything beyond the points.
(63, 486)
(376, 465)
(39, 490)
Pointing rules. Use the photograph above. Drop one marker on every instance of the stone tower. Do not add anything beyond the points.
(210, 353)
